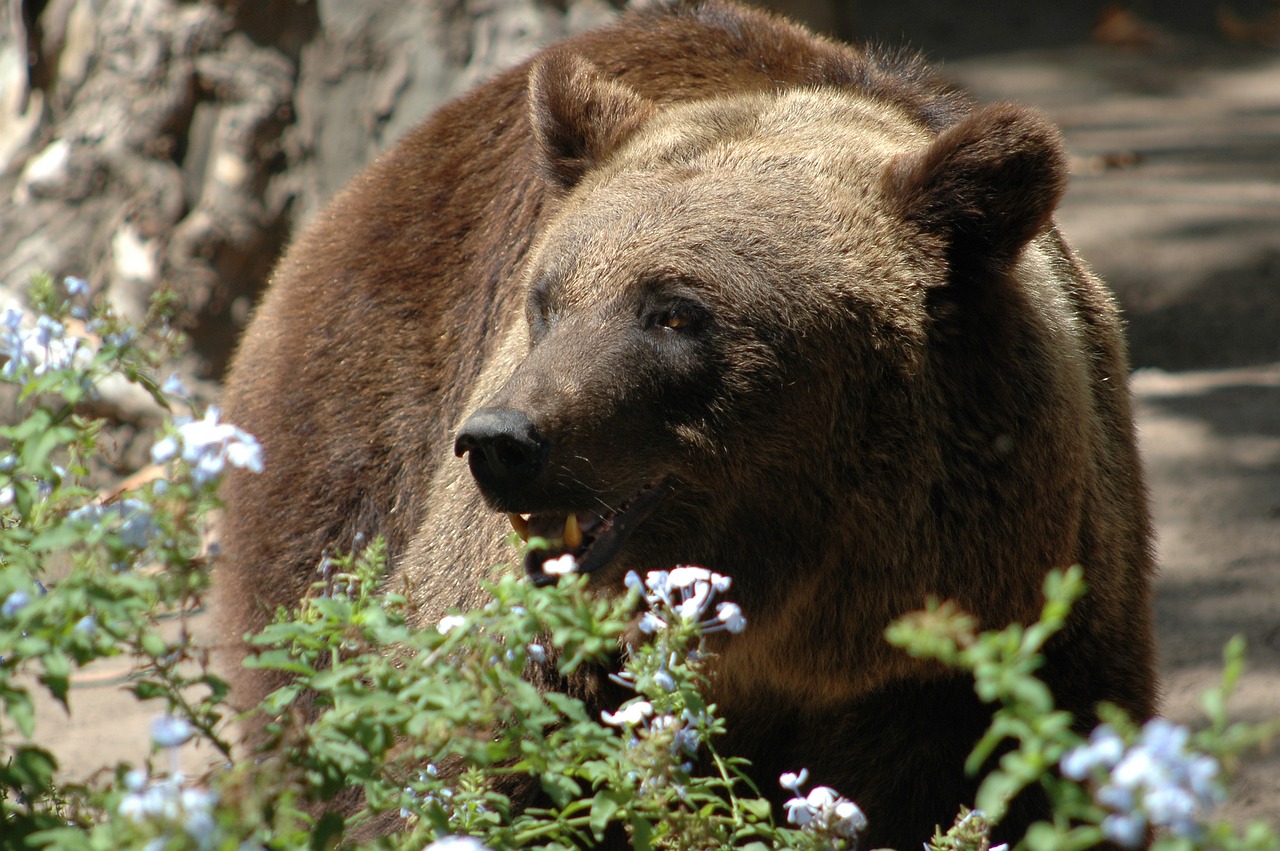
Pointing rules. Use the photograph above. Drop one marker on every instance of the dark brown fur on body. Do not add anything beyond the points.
(807, 285)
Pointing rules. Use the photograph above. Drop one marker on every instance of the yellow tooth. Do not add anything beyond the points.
(572, 532)
(520, 524)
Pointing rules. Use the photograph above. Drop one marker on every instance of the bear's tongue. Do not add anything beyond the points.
(592, 539)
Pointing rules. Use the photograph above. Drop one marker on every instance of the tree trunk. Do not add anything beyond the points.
(149, 144)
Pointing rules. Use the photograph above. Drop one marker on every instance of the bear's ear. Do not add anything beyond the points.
(986, 186)
(578, 116)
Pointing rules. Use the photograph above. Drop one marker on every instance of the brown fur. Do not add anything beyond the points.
(898, 382)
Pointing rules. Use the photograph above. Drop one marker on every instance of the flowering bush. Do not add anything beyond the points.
(441, 731)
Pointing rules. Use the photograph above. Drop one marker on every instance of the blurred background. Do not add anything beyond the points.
(155, 144)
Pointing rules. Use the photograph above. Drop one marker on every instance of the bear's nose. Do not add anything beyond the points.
(505, 451)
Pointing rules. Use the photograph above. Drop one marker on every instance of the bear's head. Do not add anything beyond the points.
(735, 314)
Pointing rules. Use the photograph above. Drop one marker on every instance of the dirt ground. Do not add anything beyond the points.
(1176, 201)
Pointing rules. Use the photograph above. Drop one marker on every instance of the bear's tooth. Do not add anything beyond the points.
(572, 532)
(520, 524)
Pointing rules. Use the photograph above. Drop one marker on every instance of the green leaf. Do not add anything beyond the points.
(57, 675)
(327, 832)
(604, 807)
(153, 645)
(757, 808)
(995, 793)
(21, 710)
(561, 788)
(641, 833)
(32, 768)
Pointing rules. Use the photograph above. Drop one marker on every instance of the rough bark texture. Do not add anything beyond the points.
(155, 143)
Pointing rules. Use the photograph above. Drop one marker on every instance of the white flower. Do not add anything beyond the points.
(457, 843)
(651, 623)
(683, 577)
(695, 601)
(823, 810)
(730, 614)
(561, 566)
(849, 820)
(537, 653)
(822, 797)
(208, 446)
(630, 715)
(164, 449)
(448, 623)
(794, 780)
(799, 812)
(168, 731)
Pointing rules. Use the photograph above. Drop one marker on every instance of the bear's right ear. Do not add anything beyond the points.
(578, 116)
(986, 186)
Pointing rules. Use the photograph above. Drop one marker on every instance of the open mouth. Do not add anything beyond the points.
(591, 538)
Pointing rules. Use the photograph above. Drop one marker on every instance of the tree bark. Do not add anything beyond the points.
(157, 144)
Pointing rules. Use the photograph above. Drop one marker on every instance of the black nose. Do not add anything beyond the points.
(506, 453)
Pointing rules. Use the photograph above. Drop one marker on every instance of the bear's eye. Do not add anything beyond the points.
(680, 317)
(675, 319)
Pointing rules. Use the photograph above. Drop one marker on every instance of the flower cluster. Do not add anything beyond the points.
(167, 803)
(208, 446)
(823, 811)
(684, 594)
(136, 525)
(42, 346)
(1158, 781)
(171, 804)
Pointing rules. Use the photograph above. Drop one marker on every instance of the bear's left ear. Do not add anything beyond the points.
(578, 116)
(986, 186)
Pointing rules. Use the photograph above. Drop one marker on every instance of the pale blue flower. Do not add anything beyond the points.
(169, 731)
(173, 386)
(14, 603)
(1125, 830)
(537, 653)
(87, 625)
(1104, 750)
(138, 527)
(75, 287)
(135, 780)
(1157, 781)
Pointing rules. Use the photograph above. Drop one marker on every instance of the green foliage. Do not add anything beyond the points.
(470, 727)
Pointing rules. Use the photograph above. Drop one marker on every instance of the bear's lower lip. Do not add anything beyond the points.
(600, 537)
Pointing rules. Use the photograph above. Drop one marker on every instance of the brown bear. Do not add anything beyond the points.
(704, 288)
